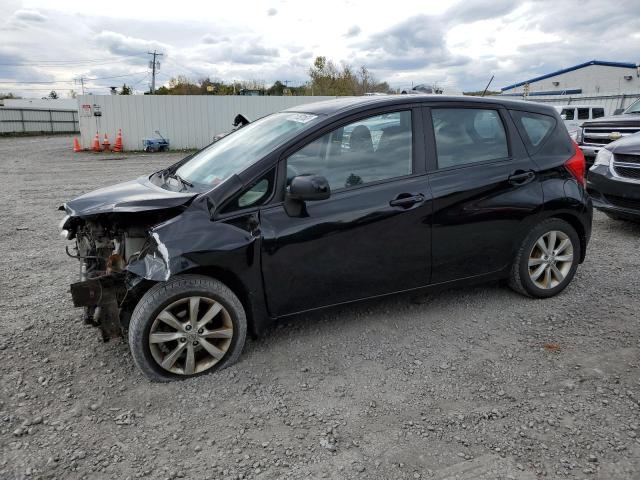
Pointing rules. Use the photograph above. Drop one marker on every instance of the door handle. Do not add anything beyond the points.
(521, 177)
(406, 200)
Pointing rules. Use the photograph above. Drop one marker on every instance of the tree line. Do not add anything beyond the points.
(325, 78)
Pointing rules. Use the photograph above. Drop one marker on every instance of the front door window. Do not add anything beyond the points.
(368, 150)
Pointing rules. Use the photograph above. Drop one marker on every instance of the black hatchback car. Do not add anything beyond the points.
(324, 204)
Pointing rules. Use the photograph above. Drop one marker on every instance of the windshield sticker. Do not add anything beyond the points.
(301, 117)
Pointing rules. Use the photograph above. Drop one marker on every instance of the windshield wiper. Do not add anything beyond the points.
(168, 174)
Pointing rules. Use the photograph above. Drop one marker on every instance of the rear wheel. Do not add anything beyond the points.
(188, 326)
(547, 260)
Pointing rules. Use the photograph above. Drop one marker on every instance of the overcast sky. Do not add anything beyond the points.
(453, 43)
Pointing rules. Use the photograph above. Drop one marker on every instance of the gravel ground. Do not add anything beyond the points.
(474, 383)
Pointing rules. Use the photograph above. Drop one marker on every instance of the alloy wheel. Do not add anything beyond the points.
(550, 259)
(190, 335)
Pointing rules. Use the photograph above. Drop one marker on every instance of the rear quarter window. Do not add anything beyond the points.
(541, 134)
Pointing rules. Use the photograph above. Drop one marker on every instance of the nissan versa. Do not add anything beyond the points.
(324, 204)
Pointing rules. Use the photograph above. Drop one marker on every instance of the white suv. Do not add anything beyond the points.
(574, 115)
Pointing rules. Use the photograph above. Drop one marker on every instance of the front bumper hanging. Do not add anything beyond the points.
(102, 293)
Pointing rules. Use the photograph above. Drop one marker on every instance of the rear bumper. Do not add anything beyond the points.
(612, 195)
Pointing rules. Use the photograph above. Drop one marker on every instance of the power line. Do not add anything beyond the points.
(72, 81)
(29, 89)
(37, 83)
(63, 63)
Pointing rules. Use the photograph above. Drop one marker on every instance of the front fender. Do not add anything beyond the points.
(192, 242)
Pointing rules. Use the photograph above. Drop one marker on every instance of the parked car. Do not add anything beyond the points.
(283, 216)
(594, 135)
(575, 115)
(614, 179)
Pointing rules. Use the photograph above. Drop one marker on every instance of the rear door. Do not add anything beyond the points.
(484, 186)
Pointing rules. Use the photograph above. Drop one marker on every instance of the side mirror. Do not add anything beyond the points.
(618, 111)
(309, 188)
(305, 188)
(563, 116)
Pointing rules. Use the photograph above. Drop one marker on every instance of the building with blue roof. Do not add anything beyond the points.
(595, 77)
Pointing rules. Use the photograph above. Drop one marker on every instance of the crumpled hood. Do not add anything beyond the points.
(134, 196)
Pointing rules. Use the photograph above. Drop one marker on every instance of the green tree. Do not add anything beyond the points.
(125, 90)
(53, 95)
(276, 89)
(478, 93)
(329, 79)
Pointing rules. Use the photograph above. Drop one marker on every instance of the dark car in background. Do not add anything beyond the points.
(324, 204)
(614, 179)
(594, 135)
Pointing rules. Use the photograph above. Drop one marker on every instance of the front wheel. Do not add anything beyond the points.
(189, 326)
(547, 260)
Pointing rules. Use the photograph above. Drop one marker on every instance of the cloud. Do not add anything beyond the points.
(469, 11)
(464, 44)
(211, 39)
(354, 31)
(119, 44)
(411, 44)
(11, 68)
(29, 16)
(252, 54)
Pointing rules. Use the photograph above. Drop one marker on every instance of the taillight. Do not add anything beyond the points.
(577, 166)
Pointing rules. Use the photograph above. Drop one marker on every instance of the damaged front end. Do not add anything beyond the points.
(111, 230)
(105, 245)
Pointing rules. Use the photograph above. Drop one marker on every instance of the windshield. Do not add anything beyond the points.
(634, 108)
(234, 153)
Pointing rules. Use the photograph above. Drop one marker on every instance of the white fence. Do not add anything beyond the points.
(33, 121)
(187, 121)
(610, 102)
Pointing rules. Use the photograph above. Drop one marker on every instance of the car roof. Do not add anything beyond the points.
(345, 104)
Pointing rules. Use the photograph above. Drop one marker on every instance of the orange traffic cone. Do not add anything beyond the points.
(105, 143)
(76, 145)
(117, 147)
(96, 144)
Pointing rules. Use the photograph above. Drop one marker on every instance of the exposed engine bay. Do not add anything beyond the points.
(105, 246)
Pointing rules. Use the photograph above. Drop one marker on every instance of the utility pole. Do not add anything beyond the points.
(82, 84)
(154, 66)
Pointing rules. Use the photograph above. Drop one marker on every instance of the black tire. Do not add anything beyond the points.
(159, 297)
(520, 280)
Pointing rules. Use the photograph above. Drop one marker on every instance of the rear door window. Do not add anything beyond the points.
(583, 114)
(468, 135)
(535, 128)
(598, 112)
